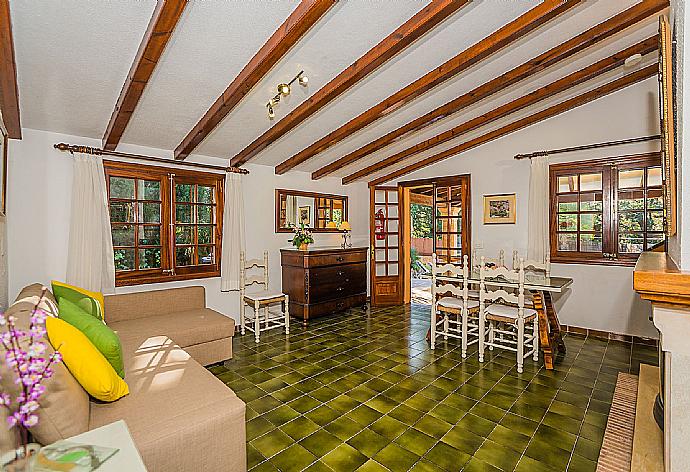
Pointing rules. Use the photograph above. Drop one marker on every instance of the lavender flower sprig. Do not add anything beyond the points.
(30, 366)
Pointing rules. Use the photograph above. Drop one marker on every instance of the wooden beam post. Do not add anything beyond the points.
(549, 58)
(426, 19)
(305, 15)
(160, 29)
(598, 68)
(618, 84)
(9, 91)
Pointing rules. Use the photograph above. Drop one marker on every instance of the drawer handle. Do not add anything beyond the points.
(340, 258)
(340, 289)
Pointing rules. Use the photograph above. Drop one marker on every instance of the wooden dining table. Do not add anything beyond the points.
(542, 288)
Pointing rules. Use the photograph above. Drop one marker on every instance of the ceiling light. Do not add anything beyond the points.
(633, 60)
(283, 91)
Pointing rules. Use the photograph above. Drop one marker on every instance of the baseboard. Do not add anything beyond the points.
(595, 333)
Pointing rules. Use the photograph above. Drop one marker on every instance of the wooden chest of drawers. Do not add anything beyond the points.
(324, 281)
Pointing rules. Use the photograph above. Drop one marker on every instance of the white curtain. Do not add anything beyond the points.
(233, 233)
(291, 210)
(90, 260)
(538, 215)
(4, 280)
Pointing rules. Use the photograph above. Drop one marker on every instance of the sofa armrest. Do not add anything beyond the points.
(128, 306)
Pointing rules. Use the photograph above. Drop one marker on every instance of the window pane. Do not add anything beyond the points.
(654, 177)
(567, 184)
(204, 214)
(590, 222)
(631, 200)
(567, 222)
(184, 256)
(591, 202)
(590, 182)
(205, 234)
(567, 242)
(150, 235)
(183, 192)
(630, 243)
(149, 190)
(654, 239)
(567, 203)
(122, 212)
(123, 235)
(183, 213)
(184, 234)
(655, 199)
(150, 258)
(124, 259)
(590, 243)
(121, 187)
(630, 178)
(149, 212)
(631, 221)
(206, 255)
(655, 221)
(205, 194)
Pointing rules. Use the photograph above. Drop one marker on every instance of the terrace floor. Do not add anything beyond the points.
(363, 391)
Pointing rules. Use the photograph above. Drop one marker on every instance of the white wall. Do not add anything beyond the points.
(601, 297)
(39, 195)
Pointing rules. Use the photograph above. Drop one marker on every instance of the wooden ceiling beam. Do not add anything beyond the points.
(9, 91)
(555, 55)
(568, 82)
(587, 97)
(423, 21)
(307, 13)
(163, 21)
(501, 38)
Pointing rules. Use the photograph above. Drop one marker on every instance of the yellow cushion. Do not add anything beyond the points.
(61, 289)
(85, 362)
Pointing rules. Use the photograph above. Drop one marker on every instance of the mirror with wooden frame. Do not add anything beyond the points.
(668, 152)
(321, 212)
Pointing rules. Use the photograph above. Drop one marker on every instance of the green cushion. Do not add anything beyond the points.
(102, 337)
(87, 303)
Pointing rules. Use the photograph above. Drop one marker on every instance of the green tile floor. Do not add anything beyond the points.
(363, 391)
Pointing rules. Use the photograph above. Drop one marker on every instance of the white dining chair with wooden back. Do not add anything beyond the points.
(261, 300)
(456, 313)
(502, 312)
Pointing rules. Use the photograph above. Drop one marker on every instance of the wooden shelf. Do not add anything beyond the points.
(657, 278)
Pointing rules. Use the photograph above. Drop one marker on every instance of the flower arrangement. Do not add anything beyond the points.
(25, 356)
(303, 236)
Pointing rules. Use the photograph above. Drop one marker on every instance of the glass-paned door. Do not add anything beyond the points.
(386, 280)
(448, 223)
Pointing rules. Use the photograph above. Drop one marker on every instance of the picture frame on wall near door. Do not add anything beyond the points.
(499, 209)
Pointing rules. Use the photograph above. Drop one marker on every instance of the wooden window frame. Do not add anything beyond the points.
(168, 177)
(609, 167)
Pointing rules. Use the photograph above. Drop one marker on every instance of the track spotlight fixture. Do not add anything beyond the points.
(283, 91)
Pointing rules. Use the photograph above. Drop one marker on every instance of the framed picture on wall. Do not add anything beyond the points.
(499, 209)
(305, 215)
(3, 174)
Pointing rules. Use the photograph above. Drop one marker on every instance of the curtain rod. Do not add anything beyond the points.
(97, 151)
(587, 146)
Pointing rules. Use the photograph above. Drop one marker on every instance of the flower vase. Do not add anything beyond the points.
(304, 246)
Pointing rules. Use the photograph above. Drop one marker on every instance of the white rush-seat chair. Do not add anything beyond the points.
(511, 320)
(452, 315)
(261, 299)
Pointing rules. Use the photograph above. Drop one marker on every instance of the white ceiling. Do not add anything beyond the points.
(73, 56)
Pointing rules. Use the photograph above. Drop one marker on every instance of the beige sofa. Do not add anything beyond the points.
(181, 417)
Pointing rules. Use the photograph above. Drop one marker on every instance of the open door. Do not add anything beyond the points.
(386, 279)
(451, 219)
